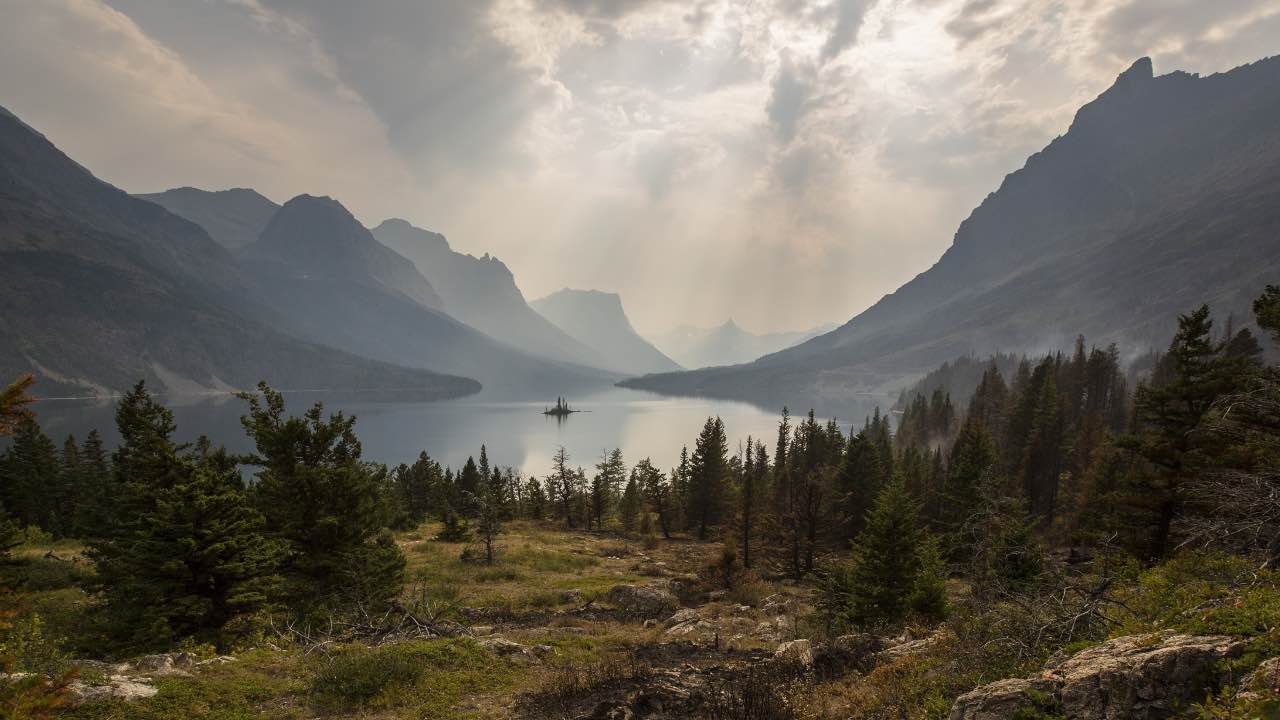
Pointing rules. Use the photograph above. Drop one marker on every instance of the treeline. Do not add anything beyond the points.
(182, 547)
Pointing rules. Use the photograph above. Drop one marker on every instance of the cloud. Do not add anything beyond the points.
(783, 161)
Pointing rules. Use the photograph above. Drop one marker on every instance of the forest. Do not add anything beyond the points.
(1058, 501)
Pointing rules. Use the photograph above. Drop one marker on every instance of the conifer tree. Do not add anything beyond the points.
(562, 486)
(630, 505)
(610, 472)
(535, 499)
(657, 492)
(326, 504)
(708, 470)
(30, 470)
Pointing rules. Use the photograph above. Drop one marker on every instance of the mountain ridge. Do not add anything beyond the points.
(1162, 194)
(598, 320)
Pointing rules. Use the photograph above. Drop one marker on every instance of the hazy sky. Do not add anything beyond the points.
(785, 162)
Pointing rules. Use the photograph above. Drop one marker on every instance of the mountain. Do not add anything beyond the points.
(597, 320)
(333, 283)
(1162, 195)
(317, 238)
(103, 289)
(482, 293)
(234, 218)
(725, 344)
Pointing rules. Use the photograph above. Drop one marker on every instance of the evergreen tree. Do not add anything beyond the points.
(972, 464)
(657, 492)
(324, 503)
(708, 471)
(1194, 374)
(610, 472)
(630, 505)
(535, 499)
(894, 570)
(562, 486)
(31, 470)
(418, 489)
(94, 509)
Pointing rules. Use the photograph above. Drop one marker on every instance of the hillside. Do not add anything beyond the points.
(598, 320)
(234, 218)
(482, 293)
(102, 289)
(725, 344)
(1163, 194)
(333, 283)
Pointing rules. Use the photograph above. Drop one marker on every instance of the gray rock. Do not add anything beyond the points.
(647, 600)
(118, 687)
(799, 652)
(503, 647)
(1137, 677)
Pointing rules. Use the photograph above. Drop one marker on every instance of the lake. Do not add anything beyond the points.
(516, 433)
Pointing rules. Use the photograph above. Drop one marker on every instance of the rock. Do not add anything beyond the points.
(572, 597)
(118, 687)
(1263, 682)
(220, 660)
(481, 629)
(717, 595)
(165, 664)
(776, 604)
(503, 647)
(1002, 699)
(795, 651)
(650, 623)
(682, 616)
(1134, 677)
(647, 600)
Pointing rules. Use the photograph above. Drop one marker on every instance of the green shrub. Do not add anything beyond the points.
(357, 676)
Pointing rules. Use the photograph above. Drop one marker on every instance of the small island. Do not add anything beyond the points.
(561, 409)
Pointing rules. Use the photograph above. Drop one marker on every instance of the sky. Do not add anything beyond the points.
(782, 162)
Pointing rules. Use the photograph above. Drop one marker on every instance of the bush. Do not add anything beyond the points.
(749, 589)
(357, 676)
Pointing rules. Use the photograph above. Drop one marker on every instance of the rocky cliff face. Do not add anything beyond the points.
(598, 320)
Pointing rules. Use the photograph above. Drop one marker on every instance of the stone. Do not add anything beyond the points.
(682, 616)
(1263, 682)
(799, 652)
(647, 600)
(1136, 677)
(1002, 699)
(776, 604)
(117, 687)
(503, 647)
(650, 624)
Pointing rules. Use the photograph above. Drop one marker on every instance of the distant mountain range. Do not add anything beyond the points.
(103, 289)
(234, 218)
(596, 319)
(725, 344)
(482, 293)
(1164, 194)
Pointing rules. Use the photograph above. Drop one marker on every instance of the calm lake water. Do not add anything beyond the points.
(516, 433)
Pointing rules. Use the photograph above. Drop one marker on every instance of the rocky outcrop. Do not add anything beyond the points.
(644, 600)
(1139, 677)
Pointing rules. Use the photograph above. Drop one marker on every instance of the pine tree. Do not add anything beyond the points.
(535, 499)
(708, 471)
(893, 571)
(30, 470)
(188, 555)
(630, 505)
(610, 472)
(971, 468)
(562, 486)
(1194, 373)
(657, 492)
(94, 509)
(327, 505)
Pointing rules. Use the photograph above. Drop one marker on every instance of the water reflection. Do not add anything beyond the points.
(515, 432)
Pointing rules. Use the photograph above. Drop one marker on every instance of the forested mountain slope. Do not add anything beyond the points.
(1164, 193)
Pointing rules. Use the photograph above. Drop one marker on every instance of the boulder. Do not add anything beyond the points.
(646, 600)
(117, 687)
(799, 652)
(1137, 677)
(503, 647)
(682, 616)
(1263, 682)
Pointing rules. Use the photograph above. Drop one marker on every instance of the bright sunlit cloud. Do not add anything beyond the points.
(782, 162)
